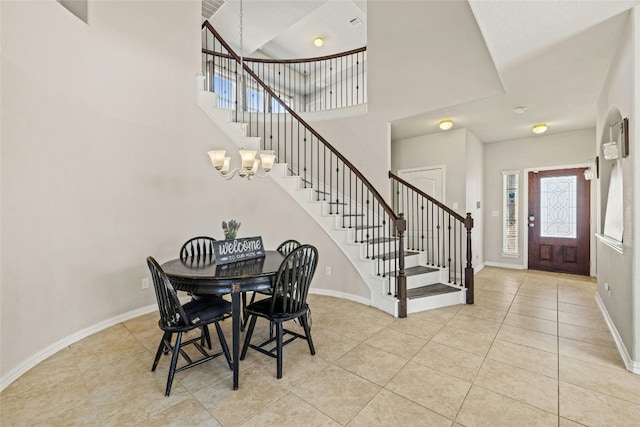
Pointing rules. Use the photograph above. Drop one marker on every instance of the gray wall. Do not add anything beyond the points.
(570, 148)
(621, 94)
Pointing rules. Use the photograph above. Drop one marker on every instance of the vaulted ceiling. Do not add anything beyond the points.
(552, 56)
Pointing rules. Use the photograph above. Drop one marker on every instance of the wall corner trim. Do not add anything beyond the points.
(630, 364)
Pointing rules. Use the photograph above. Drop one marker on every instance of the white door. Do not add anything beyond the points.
(419, 228)
(428, 180)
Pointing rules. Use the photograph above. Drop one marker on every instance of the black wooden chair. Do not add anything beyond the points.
(178, 319)
(287, 302)
(198, 248)
(285, 248)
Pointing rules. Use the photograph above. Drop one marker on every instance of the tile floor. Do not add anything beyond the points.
(534, 350)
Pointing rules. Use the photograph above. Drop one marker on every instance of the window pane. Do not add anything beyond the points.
(558, 207)
(510, 213)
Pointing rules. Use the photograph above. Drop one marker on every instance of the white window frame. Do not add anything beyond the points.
(511, 219)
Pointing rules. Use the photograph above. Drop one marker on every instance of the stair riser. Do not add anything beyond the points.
(436, 301)
(423, 280)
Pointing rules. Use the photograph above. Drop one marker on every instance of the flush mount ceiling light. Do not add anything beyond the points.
(318, 41)
(540, 128)
(519, 110)
(445, 124)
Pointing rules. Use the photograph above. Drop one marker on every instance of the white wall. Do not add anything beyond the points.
(474, 156)
(103, 163)
(444, 148)
(621, 93)
(541, 151)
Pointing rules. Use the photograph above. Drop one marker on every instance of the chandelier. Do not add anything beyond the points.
(250, 165)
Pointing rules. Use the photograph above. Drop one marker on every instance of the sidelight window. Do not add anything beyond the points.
(510, 196)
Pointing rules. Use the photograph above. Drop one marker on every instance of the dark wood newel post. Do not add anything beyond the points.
(401, 226)
(468, 271)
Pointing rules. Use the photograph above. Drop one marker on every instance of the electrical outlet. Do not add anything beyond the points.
(145, 283)
(327, 271)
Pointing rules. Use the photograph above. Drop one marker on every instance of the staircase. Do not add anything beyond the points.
(326, 185)
(424, 284)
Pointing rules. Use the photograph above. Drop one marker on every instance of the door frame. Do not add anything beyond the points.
(443, 168)
(524, 213)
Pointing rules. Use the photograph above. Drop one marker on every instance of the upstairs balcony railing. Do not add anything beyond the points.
(304, 85)
(334, 179)
(441, 233)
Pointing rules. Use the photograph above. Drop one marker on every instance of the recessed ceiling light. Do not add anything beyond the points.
(318, 41)
(445, 124)
(540, 128)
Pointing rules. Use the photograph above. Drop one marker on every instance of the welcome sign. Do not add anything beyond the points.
(227, 251)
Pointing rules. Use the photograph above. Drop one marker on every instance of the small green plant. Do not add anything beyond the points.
(230, 229)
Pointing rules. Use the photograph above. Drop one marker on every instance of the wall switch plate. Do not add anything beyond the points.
(327, 271)
(495, 213)
(145, 283)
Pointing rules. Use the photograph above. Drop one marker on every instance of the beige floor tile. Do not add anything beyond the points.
(258, 388)
(592, 336)
(531, 323)
(490, 304)
(533, 339)
(584, 320)
(439, 392)
(616, 382)
(524, 357)
(373, 364)
(504, 287)
(337, 393)
(49, 373)
(492, 314)
(298, 365)
(437, 316)
(464, 340)
(534, 311)
(590, 353)
(548, 294)
(484, 408)
(448, 360)
(84, 414)
(417, 326)
(535, 302)
(596, 409)
(500, 296)
(189, 411)
(396, 342)
(578, 309)
(519, 384)
(568, 423)
(331, 345)
(390, 409)
(473, 324)
(290, 410)
(130, 405)
(38, 404)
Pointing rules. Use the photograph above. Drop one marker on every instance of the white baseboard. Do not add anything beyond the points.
(342, 295)
(33, 360)
(477, 268)
(502, 265)
(629, 363)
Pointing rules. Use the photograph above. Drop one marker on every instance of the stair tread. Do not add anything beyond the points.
(414, 271)
(381, 240)
(364, 227)
(431, 290)
(393, 255)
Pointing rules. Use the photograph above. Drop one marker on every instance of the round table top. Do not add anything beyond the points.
(205, 275)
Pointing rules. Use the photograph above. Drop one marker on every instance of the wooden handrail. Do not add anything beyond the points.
(431, 199)
(339, 155)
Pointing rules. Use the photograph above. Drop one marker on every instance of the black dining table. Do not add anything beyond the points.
(203, 275)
